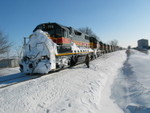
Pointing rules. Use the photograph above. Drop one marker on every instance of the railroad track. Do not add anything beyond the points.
(16, 80)
(2, 81)
(24, 78)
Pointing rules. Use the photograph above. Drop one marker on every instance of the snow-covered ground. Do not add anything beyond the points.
(131, 89)
(112, 84)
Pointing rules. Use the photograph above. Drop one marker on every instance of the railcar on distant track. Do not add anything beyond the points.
(53, 46)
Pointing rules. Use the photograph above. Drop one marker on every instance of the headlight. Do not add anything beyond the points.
(44, 58)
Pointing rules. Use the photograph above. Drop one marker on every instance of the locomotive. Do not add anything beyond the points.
(53, 46)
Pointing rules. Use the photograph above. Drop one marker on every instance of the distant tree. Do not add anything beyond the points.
(114, 42)
(88, 31)
(4, 44)
(18, 51)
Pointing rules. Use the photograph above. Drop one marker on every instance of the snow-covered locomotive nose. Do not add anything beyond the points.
(39, 54)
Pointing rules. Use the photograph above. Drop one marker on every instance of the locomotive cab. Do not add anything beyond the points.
(59, 34)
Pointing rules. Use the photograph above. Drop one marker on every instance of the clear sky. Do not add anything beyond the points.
(124, 20)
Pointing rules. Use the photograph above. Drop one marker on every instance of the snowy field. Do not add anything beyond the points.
(112, 84)
(131, 89)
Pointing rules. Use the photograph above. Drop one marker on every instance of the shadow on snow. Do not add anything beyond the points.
(15, 78)
(127, 69)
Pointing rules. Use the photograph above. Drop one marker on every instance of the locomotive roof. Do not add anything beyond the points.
(56, 24)
(64, 27)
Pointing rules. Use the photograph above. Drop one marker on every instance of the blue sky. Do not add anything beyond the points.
(124, 20)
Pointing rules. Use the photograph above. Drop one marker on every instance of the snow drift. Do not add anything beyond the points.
(131, 90)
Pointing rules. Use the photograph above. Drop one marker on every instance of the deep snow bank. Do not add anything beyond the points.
(131, 90)
(74, 90)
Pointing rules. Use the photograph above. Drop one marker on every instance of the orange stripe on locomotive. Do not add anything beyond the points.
(63, 40)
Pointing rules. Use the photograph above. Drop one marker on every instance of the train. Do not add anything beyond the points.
(53, 46)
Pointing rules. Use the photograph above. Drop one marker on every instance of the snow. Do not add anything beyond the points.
(131, 89)
(112, 84)
(39, 45)
(75, 48)
(8, 71)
